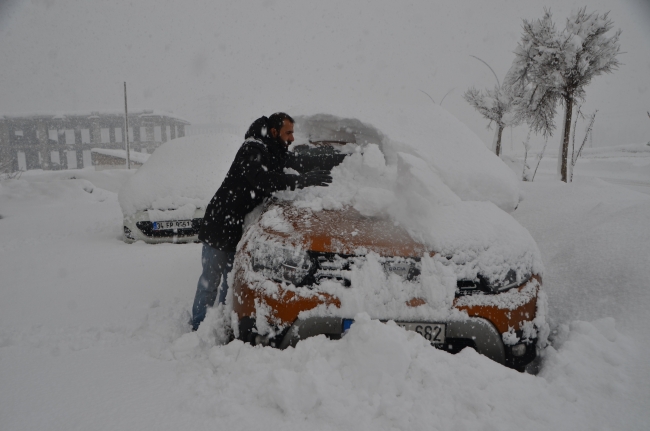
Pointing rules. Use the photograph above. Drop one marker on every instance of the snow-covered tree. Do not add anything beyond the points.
(494, 105)
(552, 67)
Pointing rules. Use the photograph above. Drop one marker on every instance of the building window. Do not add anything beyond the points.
(85, 136)
(87, 159)
(157, 134)
(104, 135)
(118, 134)
(71, 157)
(69, 137)
(55, 158)
(130, 134)
(22, 161)
(53, 135)
(143, 134)
(19, 133)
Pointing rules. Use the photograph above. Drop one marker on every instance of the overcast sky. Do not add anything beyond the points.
(230, 62)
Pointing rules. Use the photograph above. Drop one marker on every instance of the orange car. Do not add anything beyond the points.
(295, 270)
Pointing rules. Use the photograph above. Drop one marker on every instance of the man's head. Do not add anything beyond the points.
(281, 127)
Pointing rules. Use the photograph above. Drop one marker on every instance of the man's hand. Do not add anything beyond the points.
(314, 178)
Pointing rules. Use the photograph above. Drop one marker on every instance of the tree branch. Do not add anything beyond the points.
(434, 102)
(495, 75)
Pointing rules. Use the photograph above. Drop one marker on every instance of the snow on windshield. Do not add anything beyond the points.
(182, 173)
(449, 147)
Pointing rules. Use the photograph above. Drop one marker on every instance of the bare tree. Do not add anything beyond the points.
(553, 67)
(443, 97)
(6, 171)
(540, 155)
(494, 105)
(525, 175)
(576, 154)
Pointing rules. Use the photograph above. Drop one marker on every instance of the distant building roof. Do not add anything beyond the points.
(92, 114)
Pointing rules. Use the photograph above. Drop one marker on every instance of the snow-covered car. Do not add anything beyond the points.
(165, 200)
(396, 237)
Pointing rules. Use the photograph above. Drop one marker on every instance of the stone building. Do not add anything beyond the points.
(64, 141)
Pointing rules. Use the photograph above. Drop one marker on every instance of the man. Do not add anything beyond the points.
(256, 172)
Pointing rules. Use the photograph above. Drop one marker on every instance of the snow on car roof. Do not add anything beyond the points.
(448, 146)
(183, 171)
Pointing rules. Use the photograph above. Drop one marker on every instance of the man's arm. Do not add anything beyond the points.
(254, 162)
(319, 158)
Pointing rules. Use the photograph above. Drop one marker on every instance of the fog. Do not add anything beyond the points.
(230, 62)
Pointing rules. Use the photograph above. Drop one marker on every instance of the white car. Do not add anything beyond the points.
(165, 200)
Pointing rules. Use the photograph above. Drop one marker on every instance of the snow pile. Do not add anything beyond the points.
(54, 191)
(96, 331)
(385, 295)
(111, 180)
(382, 295)
(636, 151)
(449, 147)
(381, 377)
(472, 237)
(629, 150)
(184, 172)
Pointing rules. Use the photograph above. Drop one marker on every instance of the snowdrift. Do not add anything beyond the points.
(449, 147)
(102, 348)
(471, 237)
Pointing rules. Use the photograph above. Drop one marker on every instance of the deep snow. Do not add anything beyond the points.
(94, 332)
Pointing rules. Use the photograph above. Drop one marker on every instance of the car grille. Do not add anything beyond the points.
(336, 267)
(146, 227)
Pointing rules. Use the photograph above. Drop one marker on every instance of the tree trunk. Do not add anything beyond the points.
(496, 141)
(564, 153)
(497, 149)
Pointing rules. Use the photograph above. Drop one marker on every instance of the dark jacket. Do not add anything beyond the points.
(256, 172)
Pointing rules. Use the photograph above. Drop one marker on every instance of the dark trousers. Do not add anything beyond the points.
(213, 282)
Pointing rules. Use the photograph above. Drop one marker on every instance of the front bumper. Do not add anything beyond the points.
(140, 228)
(476, 333)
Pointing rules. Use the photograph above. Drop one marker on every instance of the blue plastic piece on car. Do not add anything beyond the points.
(347, 323)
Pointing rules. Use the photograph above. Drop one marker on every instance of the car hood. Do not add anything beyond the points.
(470, 237)
(343, 231)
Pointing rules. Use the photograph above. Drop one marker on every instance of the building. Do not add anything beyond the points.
(64, 141)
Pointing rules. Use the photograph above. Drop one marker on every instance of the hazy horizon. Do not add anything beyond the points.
(217, 62)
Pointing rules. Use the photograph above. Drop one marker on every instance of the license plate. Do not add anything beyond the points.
(433, 332)
(172, 224)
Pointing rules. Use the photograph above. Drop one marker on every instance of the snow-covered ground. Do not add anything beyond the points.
(94, 332)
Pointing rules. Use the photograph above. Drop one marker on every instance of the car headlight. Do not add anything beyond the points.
(482, 284)
(508, 282)
(281, 263)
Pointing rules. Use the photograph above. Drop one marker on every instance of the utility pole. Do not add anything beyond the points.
(126, 130)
